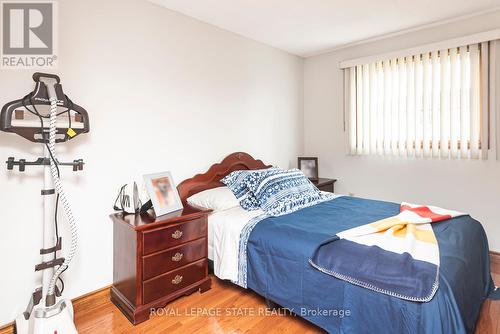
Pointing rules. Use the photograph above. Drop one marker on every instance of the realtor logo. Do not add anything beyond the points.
(28, 34)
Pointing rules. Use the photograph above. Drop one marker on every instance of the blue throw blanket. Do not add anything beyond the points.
(398, 256)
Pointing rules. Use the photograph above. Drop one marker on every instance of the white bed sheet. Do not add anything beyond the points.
(224, 228)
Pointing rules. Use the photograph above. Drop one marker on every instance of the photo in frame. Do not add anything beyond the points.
(163, 192)
(308, 166)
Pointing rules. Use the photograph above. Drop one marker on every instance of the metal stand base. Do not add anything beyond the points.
(48, 320)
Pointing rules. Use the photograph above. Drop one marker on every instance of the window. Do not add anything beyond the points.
(433, 104)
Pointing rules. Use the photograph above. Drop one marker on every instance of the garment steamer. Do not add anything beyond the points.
(48, 116)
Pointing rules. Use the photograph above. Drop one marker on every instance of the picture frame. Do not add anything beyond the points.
(163, 193)
(308, 166)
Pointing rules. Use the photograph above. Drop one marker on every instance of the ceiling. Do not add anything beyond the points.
(307, 27)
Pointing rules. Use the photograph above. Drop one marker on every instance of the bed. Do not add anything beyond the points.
(278, 250)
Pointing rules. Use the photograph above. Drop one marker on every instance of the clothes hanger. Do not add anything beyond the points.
(28, 116)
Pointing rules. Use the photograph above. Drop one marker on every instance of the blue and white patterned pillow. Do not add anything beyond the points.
(281, 191)
(239, 182)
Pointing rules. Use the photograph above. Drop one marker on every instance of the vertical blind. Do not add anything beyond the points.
(432, 104)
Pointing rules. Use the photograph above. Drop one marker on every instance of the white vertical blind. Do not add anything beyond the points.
(395, 106)
(454, 102)
(485, 117)
(426, 105)
(387, 106)
(366, 109)
(380, 109)
(410, 106)
(352, 110)
(359, 109)
(373, 108)
(419, 106)
(464, 100)
(475, 101)
(427, 101)
(445, 121)
(403, 83)
(436, 84)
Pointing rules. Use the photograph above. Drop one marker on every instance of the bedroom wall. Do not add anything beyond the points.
(469, 186)
(164, 92)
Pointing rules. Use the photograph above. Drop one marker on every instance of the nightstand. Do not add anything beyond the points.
(325, 184)
(158, 259)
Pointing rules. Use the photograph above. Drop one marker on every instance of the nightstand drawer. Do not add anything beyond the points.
(165, 284)
(173, 258)
(160, 239)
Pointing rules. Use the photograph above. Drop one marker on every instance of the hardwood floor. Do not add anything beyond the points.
(96, 314)
(99, 315)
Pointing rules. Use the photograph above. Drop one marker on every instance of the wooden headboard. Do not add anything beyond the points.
(211, 178)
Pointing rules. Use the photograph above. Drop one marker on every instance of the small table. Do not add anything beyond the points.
(158, 259)
(324, 184)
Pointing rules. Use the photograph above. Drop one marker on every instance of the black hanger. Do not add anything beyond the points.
(39, 97)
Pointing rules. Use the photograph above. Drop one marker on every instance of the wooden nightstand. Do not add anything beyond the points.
(325, 184)
(158, 259)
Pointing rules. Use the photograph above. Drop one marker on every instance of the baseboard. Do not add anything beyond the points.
(78, 302)
(83, 298)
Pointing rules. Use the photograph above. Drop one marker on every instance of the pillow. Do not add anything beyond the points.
(281, 191)
(239, 181)
(216, 199)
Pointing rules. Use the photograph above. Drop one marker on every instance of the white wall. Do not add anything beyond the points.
(469, 186)
(164, 92)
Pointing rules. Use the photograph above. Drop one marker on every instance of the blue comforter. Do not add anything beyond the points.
(279, 248)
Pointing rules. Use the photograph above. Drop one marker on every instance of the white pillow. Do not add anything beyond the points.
(216, 199)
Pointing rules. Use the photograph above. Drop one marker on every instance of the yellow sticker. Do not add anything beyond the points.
(71, 132)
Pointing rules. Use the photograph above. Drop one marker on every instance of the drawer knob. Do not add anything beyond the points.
(177, 234)
(177, 279)
(177, 257)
